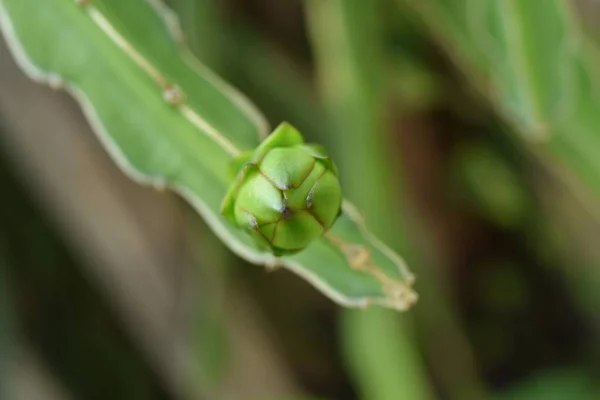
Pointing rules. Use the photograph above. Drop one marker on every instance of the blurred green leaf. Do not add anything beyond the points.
(122, 60)
(536, 66)
(571, 384)
(210, 337)
(415, 86)
(492, 186)
(292, 397)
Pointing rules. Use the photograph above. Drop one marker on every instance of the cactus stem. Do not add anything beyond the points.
(170, 93)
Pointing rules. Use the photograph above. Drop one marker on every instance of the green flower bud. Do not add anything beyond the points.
(286, 193)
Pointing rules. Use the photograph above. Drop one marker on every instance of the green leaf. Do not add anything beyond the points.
(537, 67)
(554, 384)
(168, 121)
(494, 189)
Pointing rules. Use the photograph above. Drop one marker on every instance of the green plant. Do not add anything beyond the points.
(170, 122)
(468, 185)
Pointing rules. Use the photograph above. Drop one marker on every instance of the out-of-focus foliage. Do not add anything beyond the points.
(536, 65)
(554, 385)
(491, 185)
(465, 133)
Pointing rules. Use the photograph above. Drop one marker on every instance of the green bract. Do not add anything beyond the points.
(286, 193)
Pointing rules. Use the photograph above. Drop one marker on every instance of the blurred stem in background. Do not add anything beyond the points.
(206, 285)
(380, 345)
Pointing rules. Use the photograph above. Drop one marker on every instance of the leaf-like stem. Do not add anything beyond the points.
(400, 293)
(171, 92)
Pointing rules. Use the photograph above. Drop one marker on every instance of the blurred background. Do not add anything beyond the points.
(109, 290)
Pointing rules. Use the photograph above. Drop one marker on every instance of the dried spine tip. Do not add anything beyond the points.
(173, 95)
(399, 293)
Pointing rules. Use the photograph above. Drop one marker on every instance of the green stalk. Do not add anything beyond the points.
(210, 341)
(379, 346)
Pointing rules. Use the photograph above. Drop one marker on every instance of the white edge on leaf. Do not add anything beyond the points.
(34, 73)
(55, 81)
(171, 20)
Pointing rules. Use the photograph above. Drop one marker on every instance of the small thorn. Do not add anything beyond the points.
(252, 221)
(173, 95)
(309, 198)
(286, 212)
(159, 184)
(273, 265)
(55, 82)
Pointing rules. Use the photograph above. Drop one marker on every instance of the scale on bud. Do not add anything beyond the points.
(286, 193)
